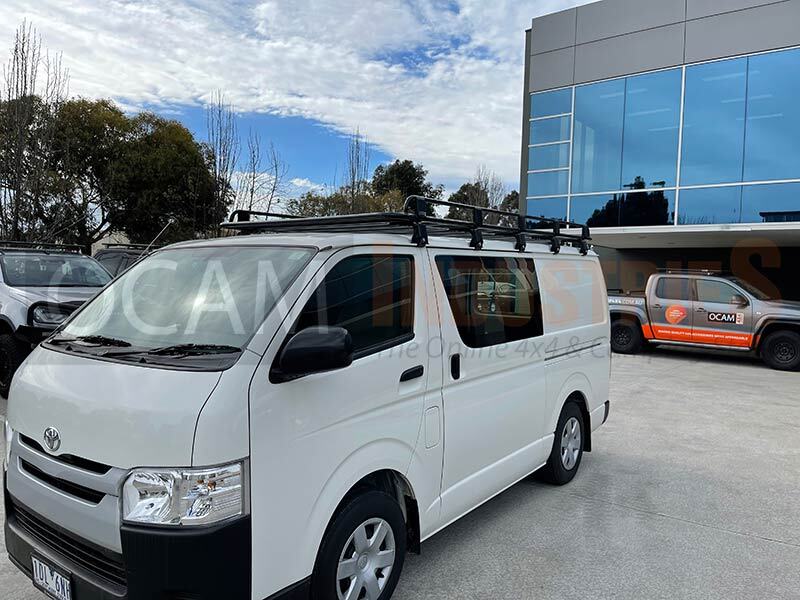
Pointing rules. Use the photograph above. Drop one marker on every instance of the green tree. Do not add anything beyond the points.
(407, 178)
(164, 175)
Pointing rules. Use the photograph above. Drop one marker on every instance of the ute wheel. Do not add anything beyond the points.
(363, 551)
(626, 337)
(567, 452)
(781, 350)
(11, 357)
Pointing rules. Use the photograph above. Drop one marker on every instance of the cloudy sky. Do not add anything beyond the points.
(438, 81)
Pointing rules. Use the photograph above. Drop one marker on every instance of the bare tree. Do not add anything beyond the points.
(356, 185)
(34, 87)
(224, 144)
(263, 182)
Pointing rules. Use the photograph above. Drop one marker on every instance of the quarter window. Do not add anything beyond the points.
(673, 288)
(372, 296)
(494, 300)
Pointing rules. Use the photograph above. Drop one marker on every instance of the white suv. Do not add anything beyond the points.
(284, 414)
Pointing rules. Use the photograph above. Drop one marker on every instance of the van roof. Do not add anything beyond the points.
(335, 240)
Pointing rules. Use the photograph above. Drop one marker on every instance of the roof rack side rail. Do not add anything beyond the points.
(20, 245)
(243, 215)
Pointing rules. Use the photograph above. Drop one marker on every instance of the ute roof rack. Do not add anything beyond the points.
(39, 246)
(415, 217)
(679, 271)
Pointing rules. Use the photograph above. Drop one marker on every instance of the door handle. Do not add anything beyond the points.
(657, 306)
(412, 373)
(700, 310)
(455, 366)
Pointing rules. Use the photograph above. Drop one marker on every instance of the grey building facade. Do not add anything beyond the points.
(673, 128)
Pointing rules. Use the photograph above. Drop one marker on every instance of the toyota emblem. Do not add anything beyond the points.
(52, 439)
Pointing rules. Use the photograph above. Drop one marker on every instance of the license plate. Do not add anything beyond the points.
(52, 582)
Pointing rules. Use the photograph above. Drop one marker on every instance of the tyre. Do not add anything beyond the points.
(11, 357)
(626, 337)
(363, 551)
(781, 350)
(565, 457)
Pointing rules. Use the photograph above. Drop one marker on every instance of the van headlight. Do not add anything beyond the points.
(8, 436)
(184, 497)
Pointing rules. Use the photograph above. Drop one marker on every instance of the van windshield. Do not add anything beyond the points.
(52, 270)
(185, 302)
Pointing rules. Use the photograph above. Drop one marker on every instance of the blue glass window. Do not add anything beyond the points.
(548, 157)
(778, 203)
(713, 123)
(773, 117)
(551, 103)
(550, 208)
(597, 143)
(550, 130)
(549, 183)
(707, 206)
(637, 208)
(652, 125)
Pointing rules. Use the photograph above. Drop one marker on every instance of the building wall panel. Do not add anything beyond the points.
(610, 18)
(632, 53)
(552, 69)
(698, 9)
(762, 28)
(553, 32)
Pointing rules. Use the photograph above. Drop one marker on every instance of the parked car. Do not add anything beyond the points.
(708, 310)
(118, 257)
(40, 286)
(265, 415)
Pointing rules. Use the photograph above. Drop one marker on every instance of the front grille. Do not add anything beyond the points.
(73, 489)
(102, 563)
(73, 461)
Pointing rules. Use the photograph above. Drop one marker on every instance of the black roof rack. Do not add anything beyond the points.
(415, 217)
(680, 271)
(122, 246)
(40, 246)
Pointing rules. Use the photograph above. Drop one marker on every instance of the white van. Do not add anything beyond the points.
(285, 414)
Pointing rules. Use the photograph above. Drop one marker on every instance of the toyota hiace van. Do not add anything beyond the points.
(286, 412)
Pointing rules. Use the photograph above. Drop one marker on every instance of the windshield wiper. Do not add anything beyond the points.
(95, 340)
(193, 350)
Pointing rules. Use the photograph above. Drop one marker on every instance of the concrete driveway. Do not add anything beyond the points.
(691, 492)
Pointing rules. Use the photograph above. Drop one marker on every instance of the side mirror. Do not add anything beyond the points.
(314, 350)
(739, 300)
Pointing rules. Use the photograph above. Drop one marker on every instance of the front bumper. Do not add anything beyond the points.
(165, 564)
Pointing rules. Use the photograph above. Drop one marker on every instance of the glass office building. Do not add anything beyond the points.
(671, 127)
(710, 143)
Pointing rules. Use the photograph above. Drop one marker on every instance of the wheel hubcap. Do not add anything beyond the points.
(785, 351)
(622, 337)
(570, 443)
(366, 562)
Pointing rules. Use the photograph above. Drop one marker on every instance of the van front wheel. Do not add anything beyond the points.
(363, 552)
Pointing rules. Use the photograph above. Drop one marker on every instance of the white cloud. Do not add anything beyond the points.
(347, 63)
(302, 185)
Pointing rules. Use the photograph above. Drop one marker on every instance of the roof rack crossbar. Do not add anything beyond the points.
(416, 215)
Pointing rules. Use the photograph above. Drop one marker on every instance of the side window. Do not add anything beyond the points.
(715, 291)
(111, 262)
(673, 288)
(372, 296)
(494, 300)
